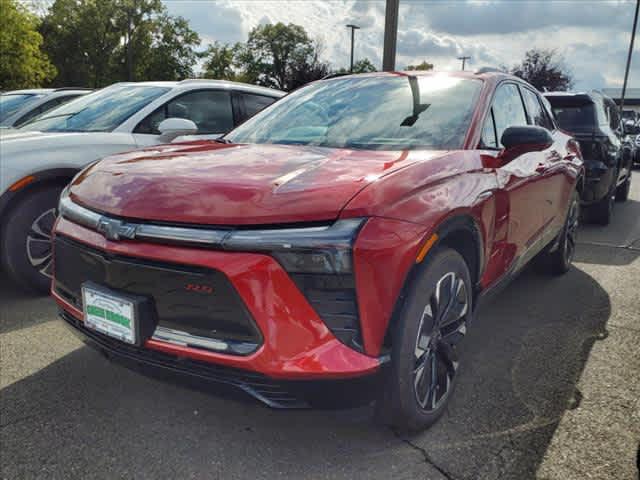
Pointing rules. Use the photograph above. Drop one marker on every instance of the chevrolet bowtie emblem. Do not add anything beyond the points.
(114, 229)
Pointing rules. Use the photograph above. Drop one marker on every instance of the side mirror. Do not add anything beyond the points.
(526, 138)
(174, 127)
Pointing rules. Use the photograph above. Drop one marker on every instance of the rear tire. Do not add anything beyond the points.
(622, 192)
(25, 249)
(602, 212)
(558, 261)
(424, 360)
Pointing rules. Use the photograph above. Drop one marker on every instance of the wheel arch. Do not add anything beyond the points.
(461, 233)
(43, 179)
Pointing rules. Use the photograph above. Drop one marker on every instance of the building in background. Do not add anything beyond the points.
(631, 100)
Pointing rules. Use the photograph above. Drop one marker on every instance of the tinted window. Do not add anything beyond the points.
(507, 109)
(489, 133)
(210, 110)
(102, 111)
(536, 113)
(575, 117)
(385, 113)
(254, 103)
(11, 103)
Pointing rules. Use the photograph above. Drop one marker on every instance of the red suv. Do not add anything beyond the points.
(342, 238)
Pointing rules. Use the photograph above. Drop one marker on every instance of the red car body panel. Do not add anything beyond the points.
(217, 184)
(515, 204)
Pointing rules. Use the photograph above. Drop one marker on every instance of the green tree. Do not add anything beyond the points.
(361, 66)
(22, 63)
(97, 42)
(172, 52)
(275, 55)
(219, 61)
(544, 70)
(421, 66)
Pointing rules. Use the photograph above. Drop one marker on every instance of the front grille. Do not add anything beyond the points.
(274, 393)
(198, 301)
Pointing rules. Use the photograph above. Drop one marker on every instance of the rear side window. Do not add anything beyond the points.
(537, 115)
(210, 110)
(508, 110)
(254, 103)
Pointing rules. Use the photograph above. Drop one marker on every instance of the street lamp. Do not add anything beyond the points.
(353, 30)
(464, 60)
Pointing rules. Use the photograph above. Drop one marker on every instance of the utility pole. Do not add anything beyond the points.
(464, 61)
(353, 31)
(390, 35)
(626, 72)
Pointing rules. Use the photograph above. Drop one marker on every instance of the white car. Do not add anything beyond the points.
(39, 159)
(18, 107)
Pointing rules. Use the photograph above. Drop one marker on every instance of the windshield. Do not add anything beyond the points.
(381, 113)
(12, 102)
(102, 111)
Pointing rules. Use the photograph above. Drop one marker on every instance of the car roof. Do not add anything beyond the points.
(191, 84)
(489, 75)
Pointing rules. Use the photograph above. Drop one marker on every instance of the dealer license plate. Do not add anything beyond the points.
(109, 314)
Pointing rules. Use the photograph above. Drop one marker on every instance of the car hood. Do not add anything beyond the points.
(217, 184)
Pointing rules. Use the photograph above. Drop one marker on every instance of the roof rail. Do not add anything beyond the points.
(62, 89)
(489, 70)
(335, 75)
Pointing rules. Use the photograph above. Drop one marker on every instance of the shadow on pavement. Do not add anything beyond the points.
(616, 244)
(20, 309)
(84, 417)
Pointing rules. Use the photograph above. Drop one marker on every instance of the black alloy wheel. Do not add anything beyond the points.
(442, 325)
(432, 321)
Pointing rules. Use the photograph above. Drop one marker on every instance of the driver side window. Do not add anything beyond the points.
(508, 110)
(210, 110)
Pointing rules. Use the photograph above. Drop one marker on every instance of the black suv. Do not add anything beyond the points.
(594, 120)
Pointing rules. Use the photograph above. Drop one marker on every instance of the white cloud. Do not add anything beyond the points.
(591, 35)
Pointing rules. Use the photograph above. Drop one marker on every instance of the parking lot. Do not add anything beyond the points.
(549, 388)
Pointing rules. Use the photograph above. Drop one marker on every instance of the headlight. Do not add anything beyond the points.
(325, 249)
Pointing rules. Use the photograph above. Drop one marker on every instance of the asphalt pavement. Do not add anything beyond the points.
(549, 388)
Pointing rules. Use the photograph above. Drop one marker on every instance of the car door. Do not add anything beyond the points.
(210, 109)
(519, 177)
(552, 166)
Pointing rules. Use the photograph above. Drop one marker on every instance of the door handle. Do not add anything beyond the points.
(541, 168)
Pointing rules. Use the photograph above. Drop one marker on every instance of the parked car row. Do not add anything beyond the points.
(593, 119)
(331, 250)
(40, 158)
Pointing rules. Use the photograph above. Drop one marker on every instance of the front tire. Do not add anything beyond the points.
(424, 360)
(26, 240)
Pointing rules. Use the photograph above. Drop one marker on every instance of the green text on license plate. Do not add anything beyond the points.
(109, 314)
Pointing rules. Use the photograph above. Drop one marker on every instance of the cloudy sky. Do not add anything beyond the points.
(591, 35)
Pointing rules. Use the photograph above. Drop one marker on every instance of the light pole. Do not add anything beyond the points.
(464, 60)
(353, 31)
(626, 72)
(390, 35)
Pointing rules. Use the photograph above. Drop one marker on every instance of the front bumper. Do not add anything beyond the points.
(296, 343)
(280, 394)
